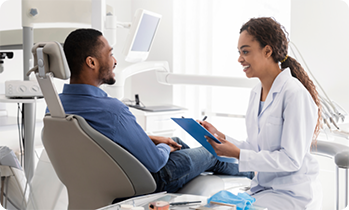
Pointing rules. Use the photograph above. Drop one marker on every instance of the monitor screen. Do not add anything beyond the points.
(141, 35)
(145, 34)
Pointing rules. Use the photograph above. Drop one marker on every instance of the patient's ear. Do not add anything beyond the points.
(91, 62)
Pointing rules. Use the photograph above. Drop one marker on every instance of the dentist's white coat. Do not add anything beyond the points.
(278, 146)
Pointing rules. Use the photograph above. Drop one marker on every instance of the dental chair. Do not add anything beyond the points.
(94, 169)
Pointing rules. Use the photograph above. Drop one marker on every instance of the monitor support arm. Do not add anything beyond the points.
(164, 76)
(122, 73)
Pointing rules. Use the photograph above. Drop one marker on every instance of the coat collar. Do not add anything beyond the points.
(276, 87)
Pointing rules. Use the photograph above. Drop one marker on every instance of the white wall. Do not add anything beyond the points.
(320, 30)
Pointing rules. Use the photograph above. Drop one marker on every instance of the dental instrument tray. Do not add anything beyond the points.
(198, 132)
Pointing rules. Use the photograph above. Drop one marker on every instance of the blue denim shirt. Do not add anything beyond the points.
(112, 118)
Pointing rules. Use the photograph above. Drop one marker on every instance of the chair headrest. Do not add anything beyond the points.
(53, 60)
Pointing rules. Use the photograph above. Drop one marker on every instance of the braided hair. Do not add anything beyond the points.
(267, 31)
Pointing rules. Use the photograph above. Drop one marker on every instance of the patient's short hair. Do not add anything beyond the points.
(80, 44)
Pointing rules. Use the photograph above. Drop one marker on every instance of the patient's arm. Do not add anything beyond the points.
(166, 140)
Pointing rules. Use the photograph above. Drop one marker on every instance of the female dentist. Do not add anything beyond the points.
(282, 120)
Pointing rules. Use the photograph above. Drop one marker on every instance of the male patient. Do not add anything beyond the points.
(171, 161)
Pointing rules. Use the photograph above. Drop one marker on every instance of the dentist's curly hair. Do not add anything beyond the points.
(267, 31)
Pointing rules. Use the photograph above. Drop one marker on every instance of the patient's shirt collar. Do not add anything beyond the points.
(83, 89)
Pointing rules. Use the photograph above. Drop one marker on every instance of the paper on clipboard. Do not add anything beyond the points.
(198, 132)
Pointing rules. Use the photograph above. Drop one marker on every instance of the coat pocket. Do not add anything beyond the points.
(274, 126)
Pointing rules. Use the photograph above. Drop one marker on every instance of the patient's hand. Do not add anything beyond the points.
(166, 140)
(174, 148)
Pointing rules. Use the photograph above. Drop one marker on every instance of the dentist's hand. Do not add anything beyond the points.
(226, 148)
(211, 128)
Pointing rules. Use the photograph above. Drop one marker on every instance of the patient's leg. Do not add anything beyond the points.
(185, 164)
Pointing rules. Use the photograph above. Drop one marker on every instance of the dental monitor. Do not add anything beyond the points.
(141, 35)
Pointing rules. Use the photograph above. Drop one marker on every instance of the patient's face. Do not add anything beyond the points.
(107, 64)
(251, 55)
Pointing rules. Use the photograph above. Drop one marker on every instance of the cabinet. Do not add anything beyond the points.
(157, 123)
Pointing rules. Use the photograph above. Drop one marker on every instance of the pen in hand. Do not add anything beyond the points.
(203, 119)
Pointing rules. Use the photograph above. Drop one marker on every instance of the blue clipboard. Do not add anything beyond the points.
(198, 132)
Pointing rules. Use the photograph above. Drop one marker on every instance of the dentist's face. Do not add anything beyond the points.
(251, 55)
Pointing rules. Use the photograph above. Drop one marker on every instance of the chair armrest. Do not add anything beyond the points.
(337, 151)
(342, 159)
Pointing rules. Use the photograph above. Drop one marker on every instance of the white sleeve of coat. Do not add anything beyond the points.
(240, 144)
(299, 121)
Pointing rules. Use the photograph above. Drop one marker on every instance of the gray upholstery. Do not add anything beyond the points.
(329, 149)
(342, 159)
(92, 176)
(339, 152)
(143, 182)
(54, 59)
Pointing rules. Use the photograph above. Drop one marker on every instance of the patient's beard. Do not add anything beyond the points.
(106, 76)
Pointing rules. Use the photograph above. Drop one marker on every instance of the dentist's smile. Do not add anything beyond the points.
(245, 68)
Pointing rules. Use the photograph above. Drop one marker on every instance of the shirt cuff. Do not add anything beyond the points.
(244, 160)
(164, 146)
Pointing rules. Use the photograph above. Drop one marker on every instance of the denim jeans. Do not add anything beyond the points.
(185, 164)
